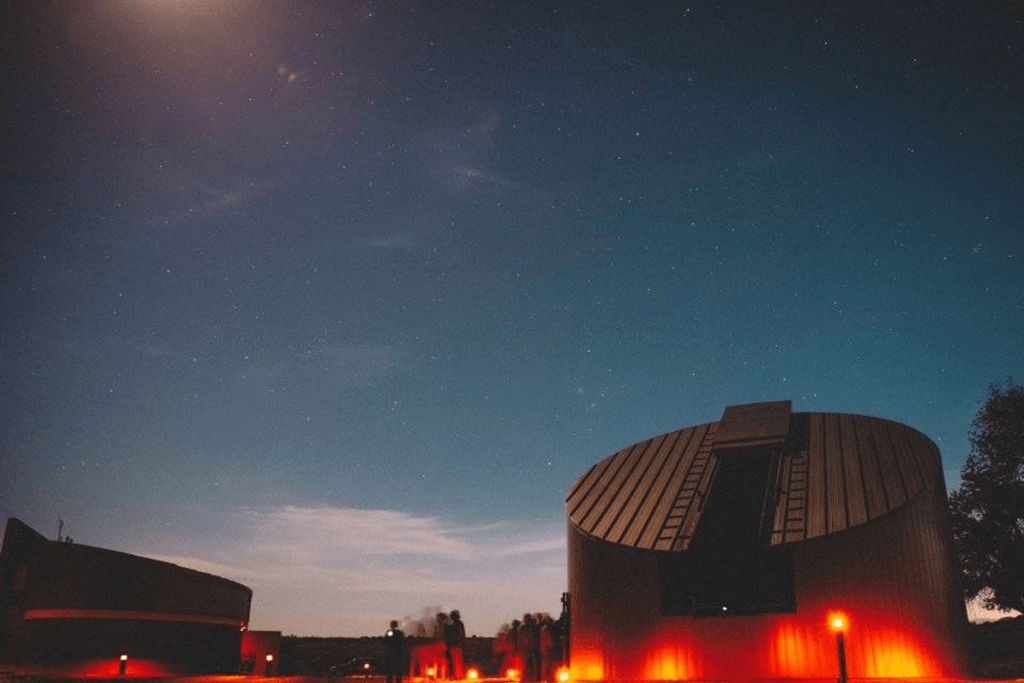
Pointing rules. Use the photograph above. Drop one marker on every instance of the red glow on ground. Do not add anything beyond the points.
(110, 668)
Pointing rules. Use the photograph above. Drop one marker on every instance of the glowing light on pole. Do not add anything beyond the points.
(838, 625)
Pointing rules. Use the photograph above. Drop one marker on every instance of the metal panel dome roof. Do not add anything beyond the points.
(827, 472)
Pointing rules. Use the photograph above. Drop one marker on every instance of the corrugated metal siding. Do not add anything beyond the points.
(837, 471)
(858, 469)
(817, 520)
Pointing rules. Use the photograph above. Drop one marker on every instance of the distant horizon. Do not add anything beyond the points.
(976, 613)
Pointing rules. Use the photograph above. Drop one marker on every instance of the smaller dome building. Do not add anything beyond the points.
(72, 609)
(728, 550)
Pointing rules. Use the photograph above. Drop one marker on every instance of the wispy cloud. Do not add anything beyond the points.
(537, 545)
(341, 571)
(197, 199)
(333, 533)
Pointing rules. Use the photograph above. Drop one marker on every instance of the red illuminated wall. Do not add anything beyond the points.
(892, 578)
(256, 647)
(899, 623)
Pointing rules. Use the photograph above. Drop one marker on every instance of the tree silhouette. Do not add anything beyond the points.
(988, 508)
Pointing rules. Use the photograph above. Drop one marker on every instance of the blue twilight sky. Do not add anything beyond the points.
(337, 299)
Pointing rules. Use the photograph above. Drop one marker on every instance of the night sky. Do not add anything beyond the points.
(337, 299)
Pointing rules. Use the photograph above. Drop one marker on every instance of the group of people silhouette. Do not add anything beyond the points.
(441, 659)
(528, 650)
(531, 648)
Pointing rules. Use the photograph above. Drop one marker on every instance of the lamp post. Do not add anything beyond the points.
(838, 625)
(124, 665)
(269, 670)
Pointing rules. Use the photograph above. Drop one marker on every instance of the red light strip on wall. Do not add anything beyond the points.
(129, 615)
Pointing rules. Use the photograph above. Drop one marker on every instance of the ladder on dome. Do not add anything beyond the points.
(791, 513)
(681, 521)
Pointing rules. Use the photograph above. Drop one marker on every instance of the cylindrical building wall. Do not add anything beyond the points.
(80, 609)
(891, 577)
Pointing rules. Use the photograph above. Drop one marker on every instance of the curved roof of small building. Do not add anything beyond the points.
(824, 473)
(66, 577)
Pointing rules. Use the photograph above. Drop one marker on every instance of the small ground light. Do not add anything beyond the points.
(563, 674)
(838, 623)
(472, 674)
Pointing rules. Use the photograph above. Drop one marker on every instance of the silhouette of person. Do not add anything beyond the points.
(547, 648)
(441, 664)
(529, 646)
(454, 638)
(515, 656)
(394, 653)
